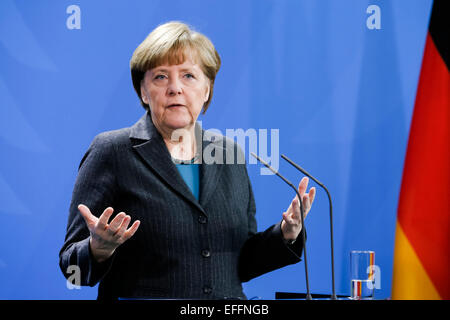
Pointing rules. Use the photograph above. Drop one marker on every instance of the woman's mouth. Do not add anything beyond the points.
(175, 105)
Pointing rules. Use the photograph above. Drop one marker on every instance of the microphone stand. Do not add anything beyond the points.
(308, 294)
(333, 296)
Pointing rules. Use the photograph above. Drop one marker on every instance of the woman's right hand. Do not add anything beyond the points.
(105, 238)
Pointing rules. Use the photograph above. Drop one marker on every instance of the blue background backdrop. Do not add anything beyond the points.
(341, 95)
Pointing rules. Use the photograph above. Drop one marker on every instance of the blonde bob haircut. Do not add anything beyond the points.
(172, 43)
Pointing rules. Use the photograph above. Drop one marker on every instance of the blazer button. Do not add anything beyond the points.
(202, 219)
(206, 253)
(207, 290)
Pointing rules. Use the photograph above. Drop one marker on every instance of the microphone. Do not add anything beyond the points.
(308, 294)
(333, 296)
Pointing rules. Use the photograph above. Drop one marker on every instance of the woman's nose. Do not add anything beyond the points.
(175, 87)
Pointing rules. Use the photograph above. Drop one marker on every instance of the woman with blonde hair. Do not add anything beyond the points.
(194, 232)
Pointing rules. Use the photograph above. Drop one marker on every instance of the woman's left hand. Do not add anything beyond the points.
(292, 221)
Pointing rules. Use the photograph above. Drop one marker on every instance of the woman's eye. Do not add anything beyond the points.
(189, 75)
(159, 77)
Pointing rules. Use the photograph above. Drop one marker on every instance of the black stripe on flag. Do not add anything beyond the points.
(440, 28)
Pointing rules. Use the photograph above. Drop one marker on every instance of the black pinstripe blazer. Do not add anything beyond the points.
(184, 247)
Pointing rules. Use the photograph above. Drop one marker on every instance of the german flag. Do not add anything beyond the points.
(422, 242)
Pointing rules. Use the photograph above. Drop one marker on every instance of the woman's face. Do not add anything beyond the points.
(176, 95)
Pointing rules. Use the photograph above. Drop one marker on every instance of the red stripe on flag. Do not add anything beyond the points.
(424, 205)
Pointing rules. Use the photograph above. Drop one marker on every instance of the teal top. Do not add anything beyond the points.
(191, 175)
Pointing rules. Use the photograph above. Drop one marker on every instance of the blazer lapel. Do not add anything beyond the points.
(150, 146)
(210, 173)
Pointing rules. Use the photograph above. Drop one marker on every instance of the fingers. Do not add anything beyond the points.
(131, 231)
(293, 216)
(297, 211)
(288, 218)
(117, 227)
(123, 226)
(116, 222)
(104, 218)
(107, 237)
(312, 195)
(294, 212)
(302, 186)
(308, 199)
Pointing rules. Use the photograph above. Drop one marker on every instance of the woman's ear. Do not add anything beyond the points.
(143, 92)
(208, 87)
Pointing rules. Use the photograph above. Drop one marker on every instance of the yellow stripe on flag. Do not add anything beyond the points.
(410, 280)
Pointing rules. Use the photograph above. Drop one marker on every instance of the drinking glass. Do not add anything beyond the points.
(362, 277)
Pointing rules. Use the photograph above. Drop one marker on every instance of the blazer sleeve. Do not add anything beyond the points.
(94, 187)
(265, 251)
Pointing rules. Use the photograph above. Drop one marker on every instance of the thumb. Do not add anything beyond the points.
(88, 217)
